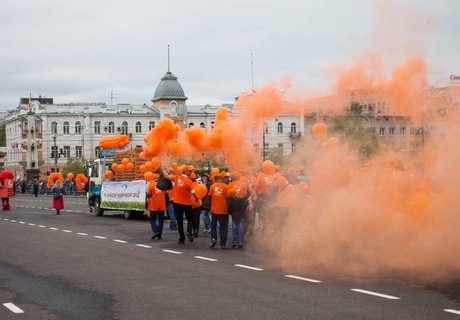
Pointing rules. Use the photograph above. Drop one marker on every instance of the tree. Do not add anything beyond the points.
(74, 165)
(2, 135)
(275, 155)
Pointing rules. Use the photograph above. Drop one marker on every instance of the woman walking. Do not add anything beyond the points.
(58, 197)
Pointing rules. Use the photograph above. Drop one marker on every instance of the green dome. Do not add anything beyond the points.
(169, 89)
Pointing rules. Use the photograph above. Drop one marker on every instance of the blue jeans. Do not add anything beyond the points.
(172, 216)
(223, 228)
(157, 228)
(238, 231)
(206, 219)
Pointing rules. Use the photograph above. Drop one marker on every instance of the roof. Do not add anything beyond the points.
(169, 88)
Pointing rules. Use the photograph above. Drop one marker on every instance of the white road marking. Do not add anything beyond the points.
(54, 228)
(69, 210)
(302, 278)
(205, 258)
(99, 237)
(452, 311)
(172, 251)
(82, 234)
(26, 206)
(39, 208)
(22, 222)
(31, 224)
(67, 231)
(6, 219)
(41, 226)
(120, 241)
(143, 246)
(13, 308)
(248, 267)
(381, 295)
(13, 221)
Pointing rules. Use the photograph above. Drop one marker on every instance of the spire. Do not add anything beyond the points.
(168, 60)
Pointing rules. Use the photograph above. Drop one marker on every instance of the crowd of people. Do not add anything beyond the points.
(37, 187)
(270, 193)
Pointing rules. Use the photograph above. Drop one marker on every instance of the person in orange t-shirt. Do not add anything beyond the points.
(219, 213)
(156, 206)
(183, 191)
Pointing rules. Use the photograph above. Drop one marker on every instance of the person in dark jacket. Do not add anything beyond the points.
(206, 204)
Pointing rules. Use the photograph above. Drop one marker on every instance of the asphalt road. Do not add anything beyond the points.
(78, 266)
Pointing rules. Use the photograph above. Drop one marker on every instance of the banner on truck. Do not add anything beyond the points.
(127, 195)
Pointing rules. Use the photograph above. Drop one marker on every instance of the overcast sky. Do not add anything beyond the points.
(78, 51)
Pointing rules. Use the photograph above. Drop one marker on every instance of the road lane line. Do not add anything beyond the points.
(41, 226)
(52, 228)
(99, 237)
(302, 278)
(13, 308)
(381, 295)
(13, 221)
(248, 267)
(6, 219)
(39, 208)
(205, 258)
(143, 246)
(120, 241)
(69, 210)
(31, 224)
(452, 311)
(82, 234)
(68, 231)
(172, 251)
(22, 222)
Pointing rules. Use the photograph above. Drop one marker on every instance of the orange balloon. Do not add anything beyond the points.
(148, 176)
(120, 168)
(268, 167)
(125, 161)
(114, 167)
(148, 166)
(214, 172)
(319, 130)
(142, 168)
(129, 166)
(155, 164)
(108, 174)
(200, 191)
(70, 176)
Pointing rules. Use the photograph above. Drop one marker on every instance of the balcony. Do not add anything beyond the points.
(294, 135)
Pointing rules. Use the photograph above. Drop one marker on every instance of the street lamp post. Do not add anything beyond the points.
(55, 153)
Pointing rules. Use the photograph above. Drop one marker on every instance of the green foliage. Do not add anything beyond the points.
(275, 155)
(2, 135)
(74, 165)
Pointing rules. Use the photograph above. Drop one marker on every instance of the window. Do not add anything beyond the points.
(412, 131)
(151, 125)
(65, 127)
(54, 127)
(391, 131)
(67, 152)
(294, 148)
(280, 127)
(382, 131)
(78, 127)
(111, 127)
(280, 147)
(402, 144)
(54, 152)
(202, 125)
(138, 127)
(96, 151)
(402, 131)
(124, 127)
(191, 124)
(212, 124)
(78, 151)
(97, 127)
(293, 127)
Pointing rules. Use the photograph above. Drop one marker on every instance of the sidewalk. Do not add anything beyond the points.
(78, 195)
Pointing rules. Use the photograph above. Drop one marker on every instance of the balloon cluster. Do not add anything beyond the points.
(53, 177)
(81, 180)
(116, 141)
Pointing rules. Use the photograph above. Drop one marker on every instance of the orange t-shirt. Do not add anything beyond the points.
(240, 188)
(183, 189)
(157, 202)
(264, 182)
(218, 194)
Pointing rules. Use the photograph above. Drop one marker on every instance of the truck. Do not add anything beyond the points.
(125, 192)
